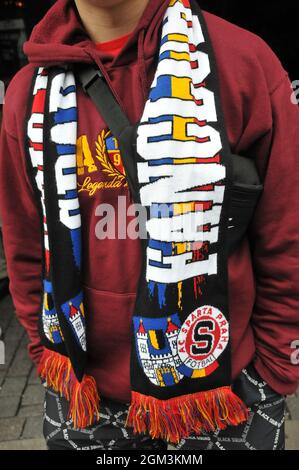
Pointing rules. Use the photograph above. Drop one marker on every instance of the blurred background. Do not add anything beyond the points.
(21, 395)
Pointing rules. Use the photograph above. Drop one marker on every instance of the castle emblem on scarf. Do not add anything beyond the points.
(74, 313)
(168, 351)
(51, 324)
(156, 341)
(202, 338)
(107, 159)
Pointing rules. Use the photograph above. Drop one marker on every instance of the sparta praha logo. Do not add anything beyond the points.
(202, 338)
(168, 351)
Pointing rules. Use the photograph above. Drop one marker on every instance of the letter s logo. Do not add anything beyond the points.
(200, 337)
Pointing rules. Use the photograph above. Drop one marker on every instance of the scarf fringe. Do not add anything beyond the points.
(83, 396)
(178, 418)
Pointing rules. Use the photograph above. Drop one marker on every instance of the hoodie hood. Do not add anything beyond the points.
(60, 37)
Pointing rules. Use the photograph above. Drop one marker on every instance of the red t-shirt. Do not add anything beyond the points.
(114, 46)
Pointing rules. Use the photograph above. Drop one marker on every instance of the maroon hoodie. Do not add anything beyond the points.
(261, 122)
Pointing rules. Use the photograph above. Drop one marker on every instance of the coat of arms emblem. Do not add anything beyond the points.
(108, 154)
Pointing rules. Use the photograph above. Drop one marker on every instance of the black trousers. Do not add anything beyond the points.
(263, 431)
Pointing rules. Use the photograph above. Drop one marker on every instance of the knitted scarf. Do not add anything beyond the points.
(180, 359)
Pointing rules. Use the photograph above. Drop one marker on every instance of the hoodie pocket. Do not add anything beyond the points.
(108, 321)
(109, 337)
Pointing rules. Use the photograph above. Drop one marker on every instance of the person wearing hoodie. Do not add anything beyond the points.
(122, 38)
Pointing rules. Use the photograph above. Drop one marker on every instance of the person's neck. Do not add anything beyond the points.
(108, 23)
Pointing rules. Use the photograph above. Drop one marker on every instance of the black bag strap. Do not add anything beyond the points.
(94, 84)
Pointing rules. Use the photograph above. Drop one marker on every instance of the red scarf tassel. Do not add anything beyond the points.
(178, 418)
(83, 396)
